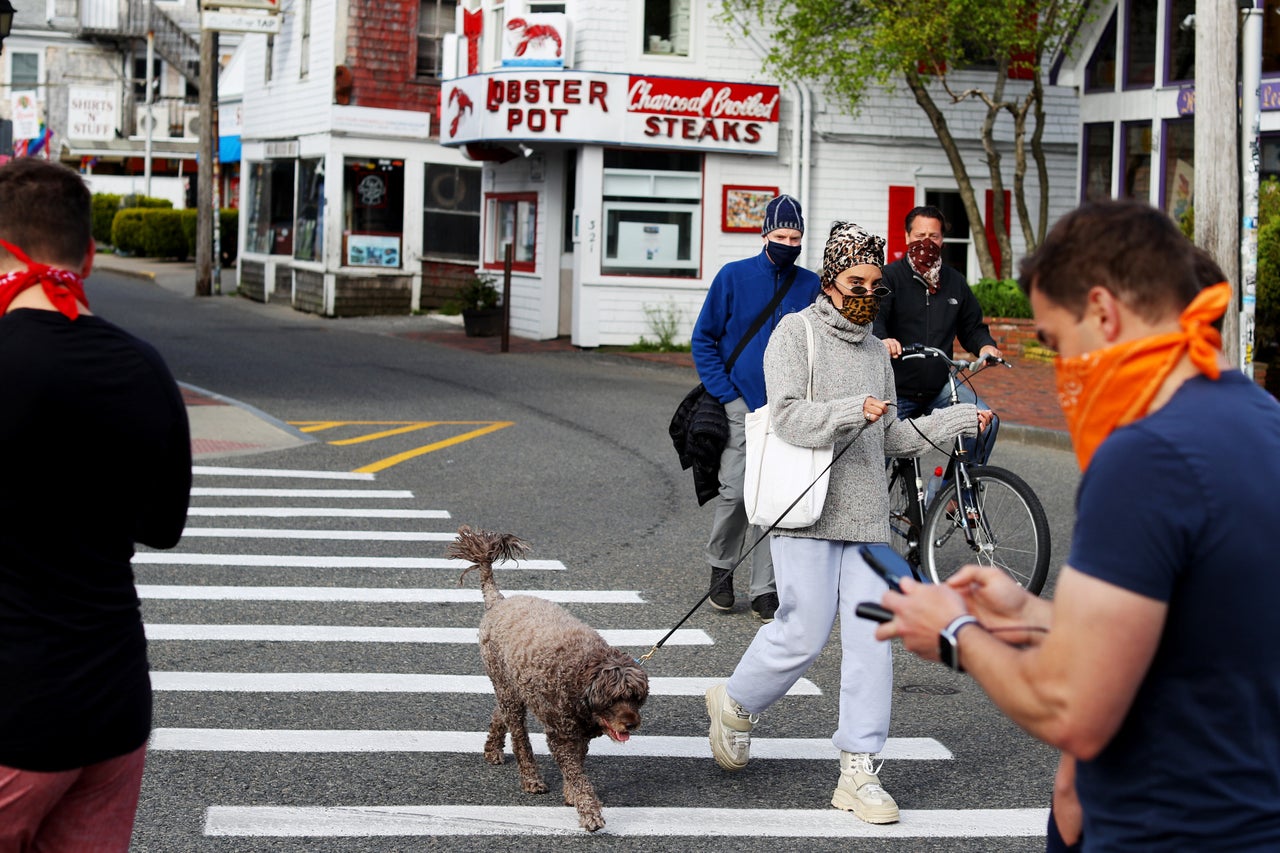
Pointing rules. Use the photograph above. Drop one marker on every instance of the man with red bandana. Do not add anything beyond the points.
(1157, 663)
(97, 458)
(931, 303)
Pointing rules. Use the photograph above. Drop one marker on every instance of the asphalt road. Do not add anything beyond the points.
(586, 473)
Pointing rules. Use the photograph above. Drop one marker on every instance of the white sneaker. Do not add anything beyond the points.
(859, 790)
(731, 726)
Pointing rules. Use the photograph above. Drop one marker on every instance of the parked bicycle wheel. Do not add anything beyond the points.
(1011, 530)
(904, 535)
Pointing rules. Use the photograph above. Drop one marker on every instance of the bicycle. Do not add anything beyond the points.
(981, 514)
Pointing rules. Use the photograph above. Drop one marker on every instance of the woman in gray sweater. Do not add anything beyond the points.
(819, 571)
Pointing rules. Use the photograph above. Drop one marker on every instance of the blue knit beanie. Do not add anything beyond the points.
(783, 212)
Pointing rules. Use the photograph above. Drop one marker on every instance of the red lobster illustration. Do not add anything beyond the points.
(536, 32)
(464, 106)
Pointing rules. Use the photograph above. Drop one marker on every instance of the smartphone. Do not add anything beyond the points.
(888, 564)
(874, 612)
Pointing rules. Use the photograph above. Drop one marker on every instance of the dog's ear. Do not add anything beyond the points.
(614, 682)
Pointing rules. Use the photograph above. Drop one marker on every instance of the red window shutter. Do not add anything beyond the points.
(988, 219)
(1022, 65)
(901, 200)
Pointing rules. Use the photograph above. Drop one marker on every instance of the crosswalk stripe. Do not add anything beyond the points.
(358, 494)
(395, 595)
(394, 682)
(354, 821)
(223, 471)
(169, 558)
(385, 634)
(345, 535)
(640, 745)
(310, 512)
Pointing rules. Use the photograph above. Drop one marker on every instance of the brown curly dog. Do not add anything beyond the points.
(543, 660)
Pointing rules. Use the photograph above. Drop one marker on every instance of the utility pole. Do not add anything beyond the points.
(1250, 119)
(1217, 181)
(205, 213)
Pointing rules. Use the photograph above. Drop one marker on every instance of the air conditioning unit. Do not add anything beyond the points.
(191, 124)
(144, 121)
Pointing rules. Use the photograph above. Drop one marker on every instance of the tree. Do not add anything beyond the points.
(845, 45)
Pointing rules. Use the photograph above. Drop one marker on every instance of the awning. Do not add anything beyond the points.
(174, 149)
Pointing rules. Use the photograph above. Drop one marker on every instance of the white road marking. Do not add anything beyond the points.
(394, 682)
(169, 558)
(220, 471)
(384, 634)
(357, 821)
(394, 595)
(640, 745)
(310, 512)
(352, 535)
(221, 492)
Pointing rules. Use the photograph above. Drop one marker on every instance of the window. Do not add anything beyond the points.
(1140, 44)
(140, 78)
(956, 239)
(1098, 158)
(1271, 37)
(435, 18)
(1100, 72)
(1268, 166)
(513, 220)
(1181, 62)
(304, 27)
(451, 224)
(652, 213)
(666, 27)
(536, 7)
(1177, 146)
(1137, 161)
(309, 245)
(24, 70)
(373, 211)
(270, 228)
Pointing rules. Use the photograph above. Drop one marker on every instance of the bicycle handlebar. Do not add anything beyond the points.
(922, 351)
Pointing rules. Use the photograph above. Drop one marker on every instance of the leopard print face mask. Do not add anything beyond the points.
(860, 310)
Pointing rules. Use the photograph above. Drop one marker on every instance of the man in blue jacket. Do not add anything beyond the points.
(740, 292)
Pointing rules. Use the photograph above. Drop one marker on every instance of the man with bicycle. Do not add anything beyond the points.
(930, 303)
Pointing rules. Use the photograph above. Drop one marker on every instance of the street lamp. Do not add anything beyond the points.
(6, 21)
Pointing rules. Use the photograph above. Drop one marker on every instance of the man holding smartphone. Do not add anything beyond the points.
(1160, 669)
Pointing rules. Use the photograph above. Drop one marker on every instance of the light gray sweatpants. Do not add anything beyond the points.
(819, 579)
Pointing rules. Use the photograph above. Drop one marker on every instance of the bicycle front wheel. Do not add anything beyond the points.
(1003, 526)
(904, 534)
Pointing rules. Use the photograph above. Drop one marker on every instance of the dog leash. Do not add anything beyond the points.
(644, 658)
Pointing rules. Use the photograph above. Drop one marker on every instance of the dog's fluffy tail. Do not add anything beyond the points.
(483, 549)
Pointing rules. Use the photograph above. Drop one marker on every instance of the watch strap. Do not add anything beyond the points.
(948, 645)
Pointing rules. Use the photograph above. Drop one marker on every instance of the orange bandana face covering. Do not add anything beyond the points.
(1104, 390)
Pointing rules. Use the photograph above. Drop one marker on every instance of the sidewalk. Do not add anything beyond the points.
(1025, 397)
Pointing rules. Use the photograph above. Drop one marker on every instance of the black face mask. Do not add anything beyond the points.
(782, 254)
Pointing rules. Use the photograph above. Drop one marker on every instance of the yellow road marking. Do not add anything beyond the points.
(374, 436)
(384, 464)
(400, 428)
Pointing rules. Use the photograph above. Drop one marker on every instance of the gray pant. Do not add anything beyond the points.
(730, 532)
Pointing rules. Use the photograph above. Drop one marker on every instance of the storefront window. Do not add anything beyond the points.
(1182, 42)
(666, 27)
(451, 221)
(1140, 44)
(1178, 147)
(513, 220)
(1271, 37)
(1098, 158)
(1137, 161)
(1100, 72)
(310, 228)
(373, 212)
(270, 227)
(652, 213)
(1269, 167)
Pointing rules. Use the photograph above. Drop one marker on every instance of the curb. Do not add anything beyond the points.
(251, 410)
(1034, 436)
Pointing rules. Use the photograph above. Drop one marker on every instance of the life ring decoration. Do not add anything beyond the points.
(458, 190)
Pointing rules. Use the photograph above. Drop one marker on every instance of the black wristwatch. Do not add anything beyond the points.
(948, 647)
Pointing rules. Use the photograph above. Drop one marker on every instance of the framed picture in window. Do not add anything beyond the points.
(742, 208)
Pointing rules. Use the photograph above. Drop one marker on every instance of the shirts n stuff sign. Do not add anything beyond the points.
(615, 109)
(92, 113)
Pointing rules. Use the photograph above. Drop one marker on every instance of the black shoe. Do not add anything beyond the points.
(763, 607)
(721, 589)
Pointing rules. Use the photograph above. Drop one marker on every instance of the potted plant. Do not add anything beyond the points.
(481, 313)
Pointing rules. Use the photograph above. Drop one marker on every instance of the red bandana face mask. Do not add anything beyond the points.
(64, 288)
(926, 260)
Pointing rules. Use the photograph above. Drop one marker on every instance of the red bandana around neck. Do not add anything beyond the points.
(64, 288)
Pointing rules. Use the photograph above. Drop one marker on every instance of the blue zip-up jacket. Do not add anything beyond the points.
(738, 293)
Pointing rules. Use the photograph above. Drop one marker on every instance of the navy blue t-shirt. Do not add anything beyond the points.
(1183, 507)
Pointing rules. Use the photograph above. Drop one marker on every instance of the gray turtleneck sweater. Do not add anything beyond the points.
(849, 364)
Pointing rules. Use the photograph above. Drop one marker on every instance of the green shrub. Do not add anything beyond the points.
(138, 200)
(478, 293)
(163, 236)
(104, 208)
(127, 231)
(1002, 298)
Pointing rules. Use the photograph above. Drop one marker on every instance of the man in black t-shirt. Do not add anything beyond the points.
(97, 457)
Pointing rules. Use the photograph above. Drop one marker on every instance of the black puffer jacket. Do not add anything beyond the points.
(911, 315)
(700, 430)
